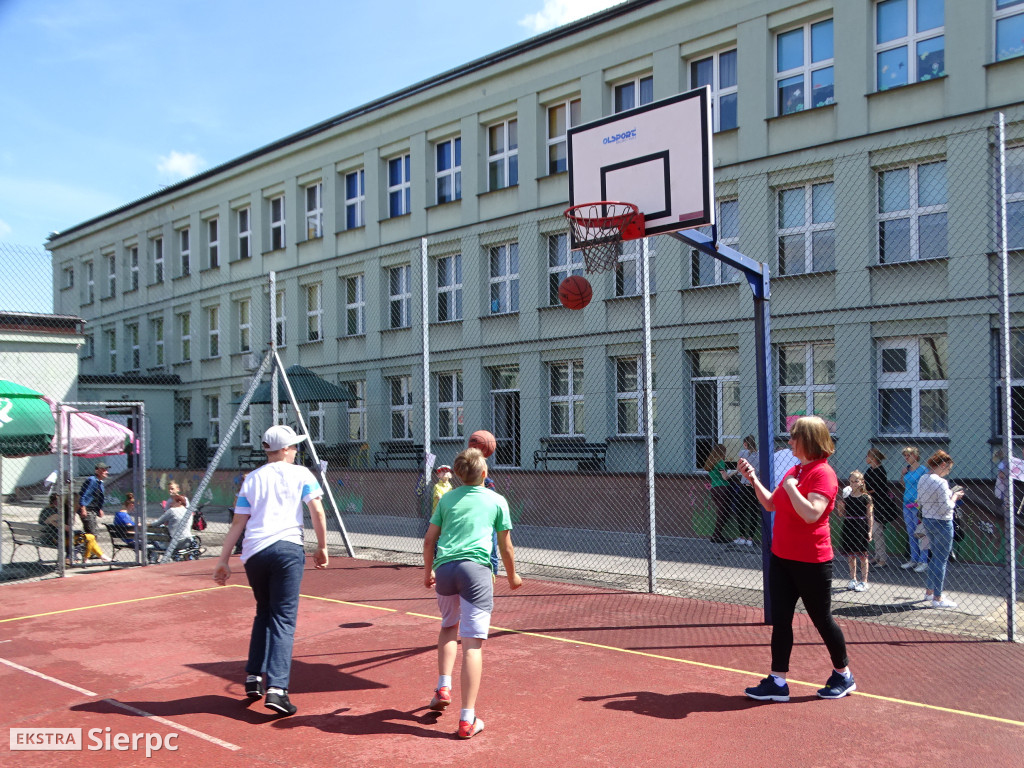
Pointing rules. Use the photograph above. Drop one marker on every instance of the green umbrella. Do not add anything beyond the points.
(26, 422)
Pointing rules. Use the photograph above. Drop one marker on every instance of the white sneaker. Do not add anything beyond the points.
(861, 587)
(943, 603)
(748, 542)
(920, 567)
(908, 565)
(852, 586)
(738, 541)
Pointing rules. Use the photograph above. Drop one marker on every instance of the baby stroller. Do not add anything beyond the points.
(190, 548)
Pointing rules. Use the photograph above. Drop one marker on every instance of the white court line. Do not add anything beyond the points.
(133, 710)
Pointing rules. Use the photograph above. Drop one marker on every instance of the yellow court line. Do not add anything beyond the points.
(346, 602)
(105, 605)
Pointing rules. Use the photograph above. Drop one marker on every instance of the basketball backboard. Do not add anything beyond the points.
(657, 156)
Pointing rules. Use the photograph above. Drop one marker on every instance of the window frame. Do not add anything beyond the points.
(355, 206)
(570, 400)
(280, 320)
(400, 297)
(718, 91)
(315, 415)
(314, 210)
(243, 232)
(244, 313)
(910, 41)
(639, 84)
(134, 357)
(355, 305)
(1016, 382)
(213, 417)
(630, 253)
(454, 407)
(89, 284)
(213, 242)
(111, 275)
(156, 330)
(110, 338)
(913, 214)
(400, 193)
(451, 177)
(68, 273)
(503, 161)
(724, 274)
(314, 311)
(811, 353)
(806, 70)
(185, 252)
(636, 395)
(724, 382)
(244, 420)
(356, 408)
(574, 264)
(449, 287)
(506, 285)
(910, 380)
(185, 336)
(400, 411)
(157, 246)
(213, 331)
(805, 230)
(558, 143)
(278, 215)
(1000, 16)
(1014, 196)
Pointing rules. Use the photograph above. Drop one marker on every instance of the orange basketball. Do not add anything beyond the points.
(483, 441)
(575, 292)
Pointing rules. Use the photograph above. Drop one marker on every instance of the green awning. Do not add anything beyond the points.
(26, 421)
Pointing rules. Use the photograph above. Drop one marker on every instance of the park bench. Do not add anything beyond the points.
(590, 456)
(254, 457)
(398, 451)
(30, 534)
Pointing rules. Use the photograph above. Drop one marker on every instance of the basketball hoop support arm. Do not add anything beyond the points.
(757, 276)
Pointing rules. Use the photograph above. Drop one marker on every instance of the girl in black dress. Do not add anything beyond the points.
(854, 540)
(886, 510)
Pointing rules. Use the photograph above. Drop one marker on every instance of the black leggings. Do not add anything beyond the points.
(789, 580)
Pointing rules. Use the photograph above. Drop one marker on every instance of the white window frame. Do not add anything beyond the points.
(315, 420)
(638, 84)
(244, 422)
(815, 358)
(503, 281)
(503, 154)
(718, 91)
(400, 403)
(355, 305)
(314, 196)
(111, 342)
(356, 410)
(281, 320)
(914, 213)
(400, 193)
(806, 71)
(910, 42)
(185, 251)
(632, 398)
(807, 230)
(399, 296)
(243, 220)
(571, 401)
(133, 268)
(355, 205)
(1001, 16)
(156, 330)
(111, 275)
(185, 335)
(88, 346)
(68, 273)
(452, 407)
(628, 274)
(562, 262)
(90, 283)
(278, 214)
(244, 325)
(911, 380)
(724, 383)
(1015, 196)
(131, 333)
(727, 214)
(157, 246)
(213, 243)
(314, 311)
(449, 178)
(213, 416)
(213, 326)
(561, 117)
(1016, 381)
(449, 287)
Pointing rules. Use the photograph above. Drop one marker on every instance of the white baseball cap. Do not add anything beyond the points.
(281, 436)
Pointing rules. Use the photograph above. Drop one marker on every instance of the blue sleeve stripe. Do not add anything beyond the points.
(242, 502)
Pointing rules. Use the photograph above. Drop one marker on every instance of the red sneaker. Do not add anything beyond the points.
(468, 730)
(442, 698)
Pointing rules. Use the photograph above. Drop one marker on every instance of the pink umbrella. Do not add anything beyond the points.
(91, 435)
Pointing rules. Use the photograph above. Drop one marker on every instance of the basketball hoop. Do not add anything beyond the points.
(598, 230)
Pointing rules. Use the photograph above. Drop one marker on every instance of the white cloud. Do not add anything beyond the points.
(180, 165)
(5, 229)
(555, 13)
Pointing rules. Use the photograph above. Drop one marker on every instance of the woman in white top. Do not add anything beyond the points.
(936, 501)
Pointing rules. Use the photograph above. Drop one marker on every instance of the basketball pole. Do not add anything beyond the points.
(758, 277)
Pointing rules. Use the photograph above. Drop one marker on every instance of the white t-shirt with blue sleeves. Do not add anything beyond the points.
(273, 496)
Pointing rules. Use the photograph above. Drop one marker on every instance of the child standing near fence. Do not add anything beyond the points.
(460, 533)
(857, 511)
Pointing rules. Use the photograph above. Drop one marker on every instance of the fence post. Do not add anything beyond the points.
(648, 413)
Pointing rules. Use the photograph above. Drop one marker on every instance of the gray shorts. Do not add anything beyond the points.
(465, 595)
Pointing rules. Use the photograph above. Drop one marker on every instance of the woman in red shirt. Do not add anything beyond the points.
(801, 559)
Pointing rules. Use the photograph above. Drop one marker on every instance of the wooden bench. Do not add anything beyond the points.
(398, 451)
(31, 534)
(590, 455)
(119, 535)
(254, 457)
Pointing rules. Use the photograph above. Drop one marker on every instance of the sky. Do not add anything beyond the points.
(104, 101)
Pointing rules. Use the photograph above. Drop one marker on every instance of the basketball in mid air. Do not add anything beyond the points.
(483, 441)
(575, 292)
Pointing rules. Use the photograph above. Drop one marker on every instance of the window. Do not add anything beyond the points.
(449, 288)
(277, 214)
(1016, 382)
(449, 405)
(909, 42)
(314, 211)
(449, 170)
(357, 412)
(503, 155)
(355, 198)
(912, 386)
(111, 340)
(706, 269)
(244, 233)
(88, 346)
(131, 332)
(213, 324)
(561, 263)
(718, 71)
(504, 278)
(1015, 197)
(912, 213)
(133, 268)
(565, 398)
(634, 93)
(244, 326)
(715, 377)
(245, 422)
(315, 421)
(807, 383)
(399, 186)
(90, 284)
(213, 243)
(1009, 29)
(185, 334)
(280, 321)
(182, 411)
(314, 312)
(807, 228)
(213, 416)
(185, 251)
(355, 306)
(561, 117)
(111, 275)
(156, 332)
(68, 277)
(629, 396)
(628, 269)
(804, 77)
(157, 249)
(400, 296)
(401, 407)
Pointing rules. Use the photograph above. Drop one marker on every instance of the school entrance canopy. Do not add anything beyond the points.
(308, 388)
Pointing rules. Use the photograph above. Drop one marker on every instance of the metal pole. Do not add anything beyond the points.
(425, 317)
(1007, 425)
(273, 347)
(62, 499)
(648, 415)
(140, 495)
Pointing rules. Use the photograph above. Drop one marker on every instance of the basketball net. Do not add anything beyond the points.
(599, 229)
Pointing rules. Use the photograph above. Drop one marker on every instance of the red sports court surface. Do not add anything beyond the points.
(573, 676)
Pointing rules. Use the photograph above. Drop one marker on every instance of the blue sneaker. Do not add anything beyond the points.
(769, 690)
(837, 686)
